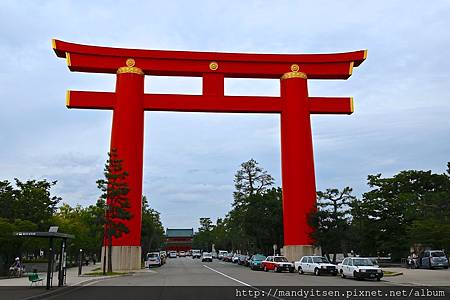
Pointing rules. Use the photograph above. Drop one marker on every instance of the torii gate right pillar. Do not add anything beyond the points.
(298, 179)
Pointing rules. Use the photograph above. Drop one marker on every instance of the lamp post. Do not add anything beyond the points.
(80, 264)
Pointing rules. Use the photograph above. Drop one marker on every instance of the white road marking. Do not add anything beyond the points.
(241, 282)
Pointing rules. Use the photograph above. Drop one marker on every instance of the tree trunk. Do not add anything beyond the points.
(334, 257)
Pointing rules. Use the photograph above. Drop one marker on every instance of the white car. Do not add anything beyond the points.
(196, 253)
(153, 259)
(206, 256)
(235, 258)
(315, 264)
(182, 254)
(222, 253)
(172, 254)
(359, 268)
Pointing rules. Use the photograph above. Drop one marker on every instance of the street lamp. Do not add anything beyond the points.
(80, 265)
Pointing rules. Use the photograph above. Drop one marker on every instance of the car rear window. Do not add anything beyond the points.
(280, 259)
(437, 254)
(259, 257)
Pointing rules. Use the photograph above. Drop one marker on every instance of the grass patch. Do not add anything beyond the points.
(96, 269)
(100, 273)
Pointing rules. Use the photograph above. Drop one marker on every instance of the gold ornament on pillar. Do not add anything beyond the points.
(213, 66)
(294, 74)
(130, 68)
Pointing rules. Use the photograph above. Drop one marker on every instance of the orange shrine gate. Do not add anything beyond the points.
(295, 106)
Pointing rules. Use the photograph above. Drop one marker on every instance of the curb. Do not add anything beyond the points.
(393, 274)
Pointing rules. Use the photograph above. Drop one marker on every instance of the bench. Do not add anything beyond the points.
(34, 278)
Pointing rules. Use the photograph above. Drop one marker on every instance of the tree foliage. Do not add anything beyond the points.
(114, 200)
(250, 179)
(408, 210)
(255, 222)
(412, 207)
(331, 221)
(152, 229)
(24, 206)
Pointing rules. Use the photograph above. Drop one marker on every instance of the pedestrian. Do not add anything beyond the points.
(415, 260)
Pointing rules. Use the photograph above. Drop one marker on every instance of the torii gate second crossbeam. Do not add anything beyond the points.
(294, 105)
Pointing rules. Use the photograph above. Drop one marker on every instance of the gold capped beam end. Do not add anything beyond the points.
(68, 99)
(69, 63)
(365, 54)
(350, 70)
(352, 108)
(53, 43)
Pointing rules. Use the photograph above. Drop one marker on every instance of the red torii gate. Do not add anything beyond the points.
(295, 106)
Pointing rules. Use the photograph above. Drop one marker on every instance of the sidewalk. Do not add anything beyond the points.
(425, 277)
(19, 288)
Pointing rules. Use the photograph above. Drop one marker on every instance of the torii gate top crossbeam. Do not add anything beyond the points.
(85, 58)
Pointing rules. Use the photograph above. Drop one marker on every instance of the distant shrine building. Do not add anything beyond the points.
(179, 239)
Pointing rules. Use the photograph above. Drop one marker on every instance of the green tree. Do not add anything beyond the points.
(25, 206)
(152, 229)
(7, 199)
(410, 207)
(30, 200)
(331, 221)
(85, 223)
(432, 225)
(250, 179)
(11, 247)
(204, 237)
(114, 200)
(255, 222)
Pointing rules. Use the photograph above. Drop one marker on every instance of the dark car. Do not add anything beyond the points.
(243, 260)
(228, 257)
(255, 261)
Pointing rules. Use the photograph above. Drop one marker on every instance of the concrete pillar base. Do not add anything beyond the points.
(295, 252)
(124, 258)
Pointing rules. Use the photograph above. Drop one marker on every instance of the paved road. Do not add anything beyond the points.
(192, 272)
(186, 278)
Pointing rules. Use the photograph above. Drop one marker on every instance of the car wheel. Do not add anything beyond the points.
(378, 278)
(445, 267)
(265, 269)
(291, 270)
(316, 272)
(300, 271)
(355, 276)
(342, 274)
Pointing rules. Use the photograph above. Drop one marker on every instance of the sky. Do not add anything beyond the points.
(401, 95)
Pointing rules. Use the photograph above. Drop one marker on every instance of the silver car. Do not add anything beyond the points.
(434, 259)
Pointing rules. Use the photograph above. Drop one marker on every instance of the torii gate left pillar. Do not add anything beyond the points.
(127, 137)
(294, 105)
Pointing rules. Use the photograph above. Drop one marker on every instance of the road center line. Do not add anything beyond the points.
(218, 272)
(241, 282)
